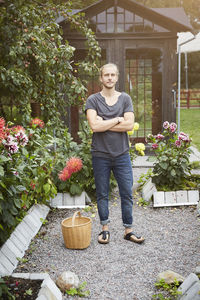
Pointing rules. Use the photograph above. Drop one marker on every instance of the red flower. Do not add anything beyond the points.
(65, 174)
(2, 123)
(37, 122)
(74, 164)
(2, 129)
(16, 129)
(32, 185)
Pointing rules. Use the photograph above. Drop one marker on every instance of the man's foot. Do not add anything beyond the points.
(131, 236)
(104, 237)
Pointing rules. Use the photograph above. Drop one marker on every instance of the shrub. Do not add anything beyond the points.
(172, 167)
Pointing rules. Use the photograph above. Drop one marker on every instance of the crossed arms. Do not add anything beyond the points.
(118, 124)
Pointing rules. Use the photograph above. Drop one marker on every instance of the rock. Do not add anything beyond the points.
(169, 277)
(67, 280)
(198, 208)
(197, 271)
(190, 288)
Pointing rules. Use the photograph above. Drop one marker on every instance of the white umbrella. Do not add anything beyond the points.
(187, 42)
(189, 45)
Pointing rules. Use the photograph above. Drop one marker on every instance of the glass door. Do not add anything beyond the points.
(143, 82)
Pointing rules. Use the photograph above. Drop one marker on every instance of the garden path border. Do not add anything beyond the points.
(14, 249)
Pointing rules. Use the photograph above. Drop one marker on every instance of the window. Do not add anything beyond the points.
(118, 20)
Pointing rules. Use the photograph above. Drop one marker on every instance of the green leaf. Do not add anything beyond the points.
(25, 152)
(173, 173)
(3, 158)
(17, 202)
(163, 165)
(20, 188)
(47, 188)
(1, 171)
(75, 189)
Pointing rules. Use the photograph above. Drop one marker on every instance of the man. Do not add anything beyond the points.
(110, 116)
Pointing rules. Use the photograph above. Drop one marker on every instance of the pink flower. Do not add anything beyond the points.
(13, 148)
(74, 164)
(178, 143)
(65, 174)
(37, 122)
(22, 138)
(183, 137)
(155, 146)
(16, 173)
(173, 127)
(10, 144)
(160, 137)
(166, 125)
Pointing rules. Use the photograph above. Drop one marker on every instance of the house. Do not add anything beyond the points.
(142, 41)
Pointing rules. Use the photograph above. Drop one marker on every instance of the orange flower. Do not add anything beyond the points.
(65, 174)
(74, 164)
(2, 123)
(17, 128)
(37, 122)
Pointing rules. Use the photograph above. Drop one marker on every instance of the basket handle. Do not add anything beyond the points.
(74, 216)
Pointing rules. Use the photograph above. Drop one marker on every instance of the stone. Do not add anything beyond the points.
(191, 280)
(197, 271)
(193, 293)
(198, 208)
(87, 199)
(67, 280)
(169, 277)
(148, 190)
(159, 199)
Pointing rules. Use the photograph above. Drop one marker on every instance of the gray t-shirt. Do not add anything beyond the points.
(109, 143)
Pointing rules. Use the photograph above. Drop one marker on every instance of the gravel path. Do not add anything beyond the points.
(121, 270)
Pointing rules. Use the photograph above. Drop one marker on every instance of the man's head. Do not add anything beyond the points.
(109, 75)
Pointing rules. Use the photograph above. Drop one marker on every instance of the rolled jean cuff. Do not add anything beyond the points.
(105, 222)
(127, 225)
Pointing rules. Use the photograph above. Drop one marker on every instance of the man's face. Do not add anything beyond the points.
(109, 77)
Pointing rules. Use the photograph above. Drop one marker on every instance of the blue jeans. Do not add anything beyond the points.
(122, 170)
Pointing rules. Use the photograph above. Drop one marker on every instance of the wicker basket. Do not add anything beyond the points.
(77, 231)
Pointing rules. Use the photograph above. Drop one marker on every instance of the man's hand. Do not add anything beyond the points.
(98, 118)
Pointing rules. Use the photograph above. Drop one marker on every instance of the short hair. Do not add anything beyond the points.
(109, 65)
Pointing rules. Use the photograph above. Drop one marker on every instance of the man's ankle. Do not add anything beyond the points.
(128, 230)
(105, 228)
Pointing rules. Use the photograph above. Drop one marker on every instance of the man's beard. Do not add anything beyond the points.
(108, 87)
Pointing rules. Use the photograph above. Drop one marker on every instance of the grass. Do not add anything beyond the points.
(190, 124)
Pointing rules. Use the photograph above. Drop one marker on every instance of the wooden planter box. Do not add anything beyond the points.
(174, 198)
(65, 200)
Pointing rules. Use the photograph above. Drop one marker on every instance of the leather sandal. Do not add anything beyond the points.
(131, 236)
(104, 237)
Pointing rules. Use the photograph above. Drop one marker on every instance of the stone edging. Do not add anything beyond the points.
(19, 240)
(16, 246)
(65, 200)
(174, 198)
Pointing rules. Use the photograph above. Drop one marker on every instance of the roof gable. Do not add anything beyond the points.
(173, 19)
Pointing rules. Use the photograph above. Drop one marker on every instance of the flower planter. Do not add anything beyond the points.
(174, 198)
(48, 288)
(65, 200)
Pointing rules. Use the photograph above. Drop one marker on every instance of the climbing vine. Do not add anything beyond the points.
(36, 63)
